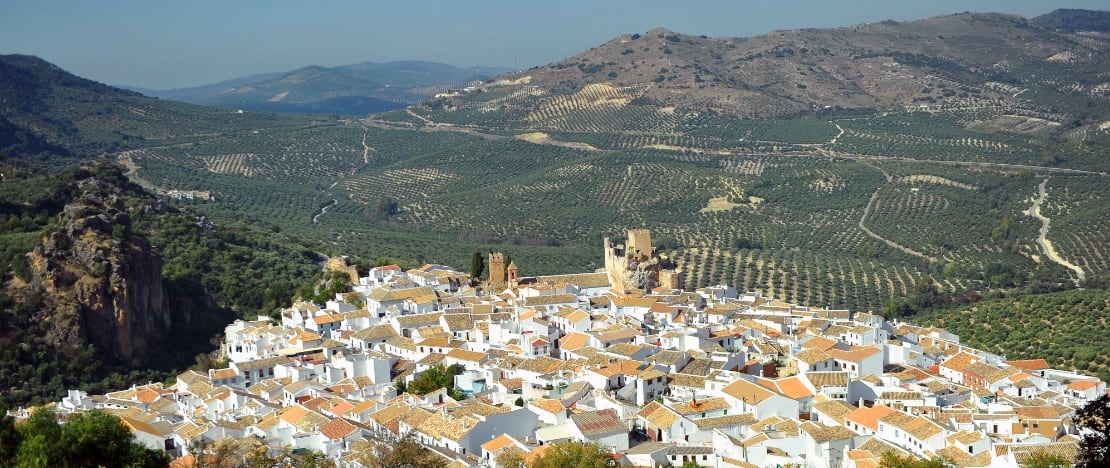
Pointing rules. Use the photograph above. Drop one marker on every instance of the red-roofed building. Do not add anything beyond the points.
(1086, 390)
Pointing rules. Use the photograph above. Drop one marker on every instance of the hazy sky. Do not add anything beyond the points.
(167, 44)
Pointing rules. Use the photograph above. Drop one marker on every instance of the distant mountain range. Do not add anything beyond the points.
(358, 89)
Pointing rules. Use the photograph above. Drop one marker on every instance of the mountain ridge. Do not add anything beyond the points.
(355, 89)
(877, 65)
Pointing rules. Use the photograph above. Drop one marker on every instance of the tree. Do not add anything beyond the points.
(511, 457)
(573, 455)
(1044, 459)
(892, 460)
(388, 451)
(437, 377)
(477, 265)
(95, 438)
(1094, 424)
(9, 436)
(387, 206)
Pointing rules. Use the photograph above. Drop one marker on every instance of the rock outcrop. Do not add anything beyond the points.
(101, 282)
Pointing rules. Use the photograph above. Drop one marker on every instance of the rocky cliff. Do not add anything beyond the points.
(102, 282)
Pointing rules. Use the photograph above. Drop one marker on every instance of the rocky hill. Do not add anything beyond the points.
(87, 293)
(959, 59)
(102, 281)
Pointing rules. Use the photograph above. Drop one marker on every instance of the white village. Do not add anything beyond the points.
(623, 357)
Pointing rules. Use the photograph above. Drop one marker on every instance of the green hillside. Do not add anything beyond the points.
(1063, 328)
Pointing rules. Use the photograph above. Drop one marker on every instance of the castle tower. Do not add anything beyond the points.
(514, 274)
(496, 266)
(639, 244)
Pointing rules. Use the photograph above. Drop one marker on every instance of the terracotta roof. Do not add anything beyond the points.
(686, 380)
(550, 299)
(855, 354)
(457, 322)
(917, 426)
(791, 387)
(700, 406)
(723, 421)
(960, 361)
(595, 424)
(293, 414)
(219, 374)
(743, 390)
(574, 340)
(966, 437)
(835, 409)
(812, 356)
(548, 405)
(826, 379)
(464, 355)
(1081, 385)
(376, 332)
(658, 415)
(1029, 364)
(337, 428)
(822, 433)
(582, 280)
(498, 443)
(868, 416)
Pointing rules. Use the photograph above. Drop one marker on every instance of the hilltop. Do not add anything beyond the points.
(966, 59)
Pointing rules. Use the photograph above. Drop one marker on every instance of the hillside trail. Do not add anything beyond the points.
(867, 210)
(1042, 238)
(366, 149)
(840, 132)
(421, 117)
(323, 210)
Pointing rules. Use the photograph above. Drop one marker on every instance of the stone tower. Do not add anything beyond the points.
(496, 266)
(639, 245)
(637, 265)
(514, 274)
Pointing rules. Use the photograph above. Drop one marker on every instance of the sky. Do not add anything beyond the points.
(172, 44)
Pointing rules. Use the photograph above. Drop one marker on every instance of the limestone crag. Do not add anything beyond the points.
(102, 284)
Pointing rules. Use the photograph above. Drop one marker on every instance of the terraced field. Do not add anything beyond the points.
(790, 194)
(830, 205)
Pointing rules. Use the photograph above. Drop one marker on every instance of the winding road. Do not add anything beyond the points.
(867, 210)
(1042, 240)
(323, 209)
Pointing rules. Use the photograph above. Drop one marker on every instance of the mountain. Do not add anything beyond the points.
(178, 93)
(1076, 21)
(959, 59)
(48, 112)
(357, 89)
